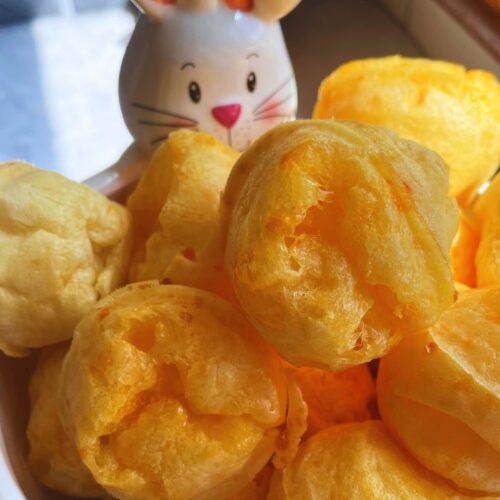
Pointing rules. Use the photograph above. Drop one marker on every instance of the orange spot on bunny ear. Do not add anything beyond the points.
(166, 2)
(244, 5)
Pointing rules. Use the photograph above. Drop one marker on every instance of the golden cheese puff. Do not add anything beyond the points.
(439, 392)
(437, 104)
(176, 213)
(476, 249)
(336, 398)
(168, 393)
(338, 240)
(53, 457)
(63, 246)
(355, 461)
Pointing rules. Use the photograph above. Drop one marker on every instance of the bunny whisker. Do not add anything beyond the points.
(163, 112)
(274, 106)
(258, 118)
(166, 125)
(258, 109)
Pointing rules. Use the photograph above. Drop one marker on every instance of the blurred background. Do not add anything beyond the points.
(60, 59)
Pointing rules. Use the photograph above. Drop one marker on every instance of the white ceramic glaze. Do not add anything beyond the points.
(236, 63)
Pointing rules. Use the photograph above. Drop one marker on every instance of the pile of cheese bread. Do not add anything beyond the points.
(216, 337)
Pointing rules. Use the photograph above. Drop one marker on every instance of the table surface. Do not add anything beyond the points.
(58, 90)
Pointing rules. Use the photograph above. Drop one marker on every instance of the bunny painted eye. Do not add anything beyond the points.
(252, 82)
(195, 92)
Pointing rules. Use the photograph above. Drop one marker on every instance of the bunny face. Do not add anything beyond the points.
(221, 71)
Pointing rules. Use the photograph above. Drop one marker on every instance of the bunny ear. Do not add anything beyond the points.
(156, 9)
(243, 5)
(197, 4)
(272, 10)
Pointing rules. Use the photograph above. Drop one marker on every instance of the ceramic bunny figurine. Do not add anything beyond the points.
(220, 66)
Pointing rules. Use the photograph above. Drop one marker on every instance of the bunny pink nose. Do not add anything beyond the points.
(227, 115)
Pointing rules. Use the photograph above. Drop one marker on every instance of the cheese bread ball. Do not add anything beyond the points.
(168, 393)
(437, 104)
(338, 240)
(476, 249)
(336, 398)
(439, 393)
(53, 458)
(176, 213)
(63, 246)
(355, 461)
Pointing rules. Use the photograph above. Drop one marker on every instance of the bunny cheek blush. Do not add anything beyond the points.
(338, 240)
(223, 71)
